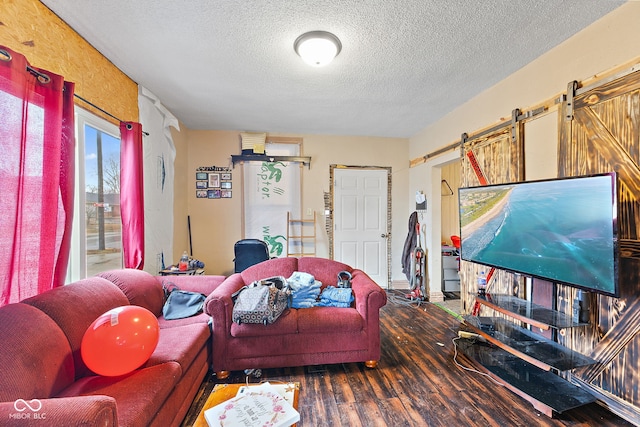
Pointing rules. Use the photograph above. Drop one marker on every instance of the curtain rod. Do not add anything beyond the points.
(45, 79)
(96, 107)
(100, 109)
(42, 77)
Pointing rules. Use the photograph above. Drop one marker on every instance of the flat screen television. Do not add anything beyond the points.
(561, 230)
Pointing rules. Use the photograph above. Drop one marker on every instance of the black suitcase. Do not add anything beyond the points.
(249, 252)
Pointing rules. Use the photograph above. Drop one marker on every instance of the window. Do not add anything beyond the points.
(97, 227)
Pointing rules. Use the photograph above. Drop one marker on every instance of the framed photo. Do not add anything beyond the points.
(201, 194)
(214, 180)
(202, 184)
(226, 176)
(225, 185)
(201, 176)
(213, 194)
(225, 194)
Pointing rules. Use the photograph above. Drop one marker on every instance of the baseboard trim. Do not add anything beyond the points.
(399, 284)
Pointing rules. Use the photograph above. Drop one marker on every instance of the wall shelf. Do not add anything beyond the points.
(450, 270)
(272, 159)
(525, 311)
(546, 391)
(521, 342)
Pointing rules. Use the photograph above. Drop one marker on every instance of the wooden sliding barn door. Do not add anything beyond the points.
(600, 132)
(492, 157)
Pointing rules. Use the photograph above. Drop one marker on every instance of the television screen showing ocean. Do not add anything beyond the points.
(559, 230)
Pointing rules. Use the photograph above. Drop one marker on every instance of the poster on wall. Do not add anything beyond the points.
(271, 190)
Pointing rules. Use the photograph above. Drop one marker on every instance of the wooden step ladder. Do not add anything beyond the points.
(301, 236)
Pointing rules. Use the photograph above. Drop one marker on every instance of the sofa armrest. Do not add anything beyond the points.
(369, 298)
(78, 411)
(219, 305)
(368, 295)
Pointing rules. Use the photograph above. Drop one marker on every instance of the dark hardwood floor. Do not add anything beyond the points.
(417, 383)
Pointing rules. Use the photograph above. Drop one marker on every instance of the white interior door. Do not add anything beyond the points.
(360, 221)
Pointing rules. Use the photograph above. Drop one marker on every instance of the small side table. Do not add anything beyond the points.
(189, 272)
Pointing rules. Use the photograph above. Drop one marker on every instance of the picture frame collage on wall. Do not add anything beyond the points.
(213, 183)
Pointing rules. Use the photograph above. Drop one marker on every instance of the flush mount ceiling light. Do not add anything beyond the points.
(317, 48)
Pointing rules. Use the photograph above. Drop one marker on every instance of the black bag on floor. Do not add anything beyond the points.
(262, 301)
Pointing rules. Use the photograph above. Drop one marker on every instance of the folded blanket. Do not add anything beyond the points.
(307, 293)
(299, 280)
(303, 297)
(304, 289)
(336, 297)
(304, 304)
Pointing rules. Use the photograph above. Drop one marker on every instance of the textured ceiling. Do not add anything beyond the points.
(230, 64)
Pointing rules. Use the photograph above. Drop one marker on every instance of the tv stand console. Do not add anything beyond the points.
(526, 363)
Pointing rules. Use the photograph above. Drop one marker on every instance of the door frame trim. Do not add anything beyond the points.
(330, 203)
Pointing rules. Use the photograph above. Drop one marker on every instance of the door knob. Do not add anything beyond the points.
(384, 236)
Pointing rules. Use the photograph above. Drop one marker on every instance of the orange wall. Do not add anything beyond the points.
(30, 28)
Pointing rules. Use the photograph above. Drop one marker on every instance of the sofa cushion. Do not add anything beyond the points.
(180, 344)
(287, 323)
(273, 267)
(140, 287)
(75, 306)
(139, 394)
(319, 319)
(201, 318)
(322, 269)
(29, 338)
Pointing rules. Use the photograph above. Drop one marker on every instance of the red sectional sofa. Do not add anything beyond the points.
(40, 357)
(306, 336)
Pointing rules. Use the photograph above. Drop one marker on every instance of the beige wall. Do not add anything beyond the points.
(180, 197)
(449, 208)
(609, 43)
(217, 224)
(360, 151)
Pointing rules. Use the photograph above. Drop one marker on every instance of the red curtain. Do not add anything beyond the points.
(132, 194)
(37, 175)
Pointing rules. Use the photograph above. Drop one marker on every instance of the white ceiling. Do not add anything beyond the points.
(230, 64)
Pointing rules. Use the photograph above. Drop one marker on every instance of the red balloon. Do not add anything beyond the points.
(120, 340)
